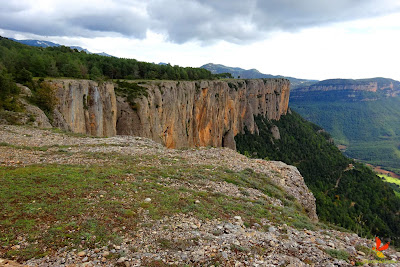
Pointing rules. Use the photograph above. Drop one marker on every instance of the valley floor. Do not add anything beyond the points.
(72, 200)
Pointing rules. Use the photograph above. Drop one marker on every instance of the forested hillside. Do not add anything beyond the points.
(348, 193)
(367, 123)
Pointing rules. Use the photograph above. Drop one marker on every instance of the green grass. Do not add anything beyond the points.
(54, 206)
(390, 179)
(394, 181)
(338, 254)
(36, 148)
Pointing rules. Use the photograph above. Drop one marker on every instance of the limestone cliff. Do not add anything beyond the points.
(202, 113)
(174, 113)
(86, 107)
(367, 86)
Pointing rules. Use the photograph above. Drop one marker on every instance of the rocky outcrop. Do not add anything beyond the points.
(202, 113)
(286, 176)
(86, 107)
(31, 114)
(37, 117)
(275, 132)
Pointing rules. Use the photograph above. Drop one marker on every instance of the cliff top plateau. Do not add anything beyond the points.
(73, 199)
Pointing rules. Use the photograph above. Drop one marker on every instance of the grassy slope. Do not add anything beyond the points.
(53, 206)
(395, 183)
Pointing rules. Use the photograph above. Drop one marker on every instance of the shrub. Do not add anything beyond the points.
(45, 97)
(338, 254)
(8, 92)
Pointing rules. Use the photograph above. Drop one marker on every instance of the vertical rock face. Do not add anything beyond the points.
(175, 113)
(86, 107)
(202, 113)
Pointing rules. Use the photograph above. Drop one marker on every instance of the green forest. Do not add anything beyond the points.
(369, 129)
(21, 60)
(348, 194)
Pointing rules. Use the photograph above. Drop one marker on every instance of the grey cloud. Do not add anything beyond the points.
(69, 20)
(203, 20)
(12, 7)
(248, 20)
(185, 20)
(121, 22)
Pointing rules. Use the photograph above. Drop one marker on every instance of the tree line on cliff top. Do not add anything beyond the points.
(64, 61)
(20, 63)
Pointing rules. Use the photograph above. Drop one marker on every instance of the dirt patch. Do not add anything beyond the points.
(379, 169)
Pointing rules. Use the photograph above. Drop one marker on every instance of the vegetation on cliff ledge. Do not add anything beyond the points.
(347, 193)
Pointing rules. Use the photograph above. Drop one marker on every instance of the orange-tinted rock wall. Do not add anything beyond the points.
(202, 113)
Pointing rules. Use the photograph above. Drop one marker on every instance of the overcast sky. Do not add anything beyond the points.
(314, 39)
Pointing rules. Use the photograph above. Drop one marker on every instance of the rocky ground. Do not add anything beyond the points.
(185, 239)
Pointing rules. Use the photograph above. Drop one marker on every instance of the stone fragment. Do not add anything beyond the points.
(121, 260)
(360, 253)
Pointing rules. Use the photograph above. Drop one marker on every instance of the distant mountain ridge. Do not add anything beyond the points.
(253, 74)
(383, 87)
(41, 43)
